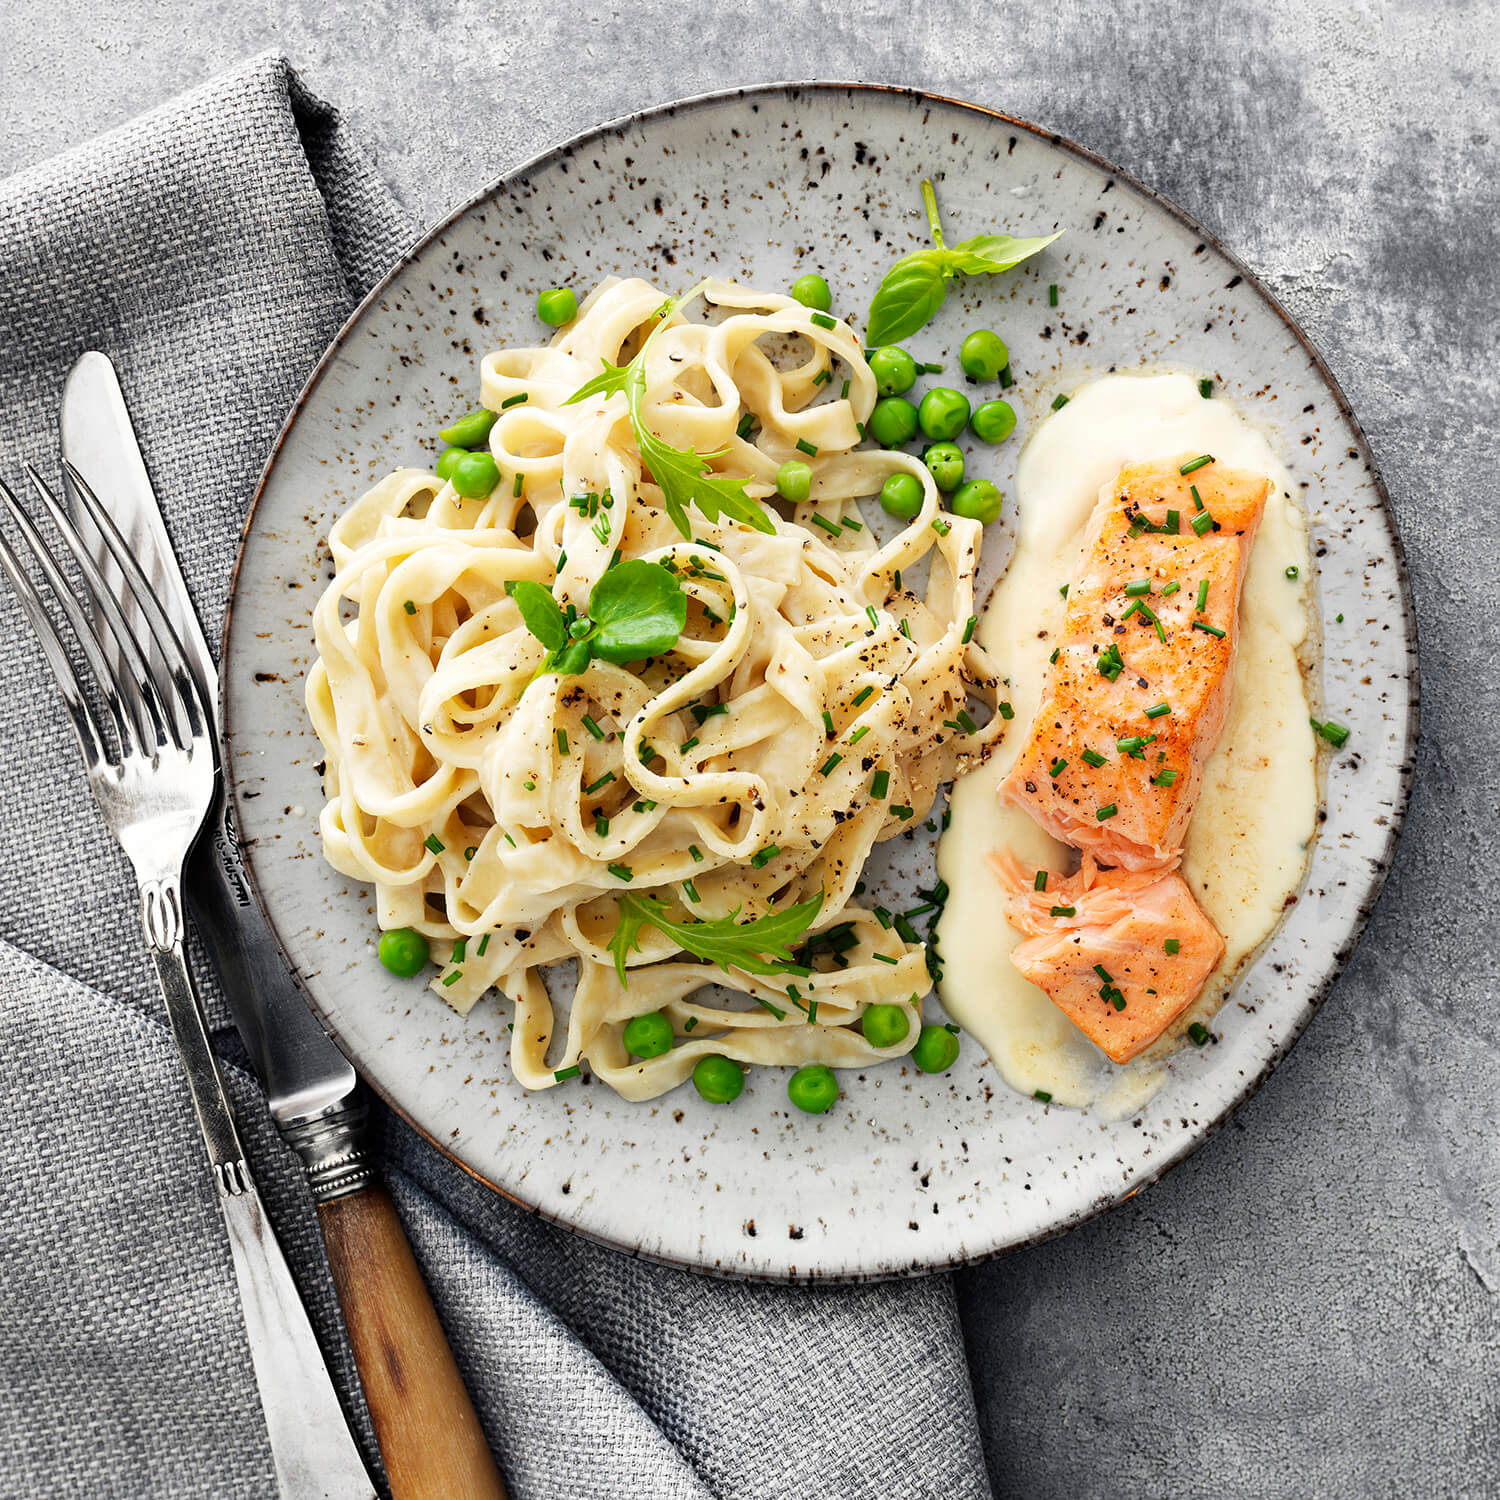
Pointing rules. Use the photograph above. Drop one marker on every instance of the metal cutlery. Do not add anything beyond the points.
(151, 766)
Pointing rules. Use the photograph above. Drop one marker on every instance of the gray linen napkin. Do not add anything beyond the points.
(212, 248)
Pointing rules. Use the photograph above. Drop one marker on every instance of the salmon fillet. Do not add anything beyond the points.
(1138, 688)
(1121, 953)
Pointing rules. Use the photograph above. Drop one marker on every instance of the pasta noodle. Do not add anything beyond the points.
(505, 810)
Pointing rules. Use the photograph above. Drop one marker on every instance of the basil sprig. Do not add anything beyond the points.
(637, 609)
(914, 288)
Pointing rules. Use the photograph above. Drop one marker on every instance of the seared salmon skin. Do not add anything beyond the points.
(1138, 688)
(1121, 953)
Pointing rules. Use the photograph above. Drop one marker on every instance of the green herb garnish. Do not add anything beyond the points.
(762, 945)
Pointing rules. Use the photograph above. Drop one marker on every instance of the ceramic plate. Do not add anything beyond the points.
(908, 1173)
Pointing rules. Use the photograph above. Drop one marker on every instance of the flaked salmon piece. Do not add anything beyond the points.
(1121, 953)
(1138, 689)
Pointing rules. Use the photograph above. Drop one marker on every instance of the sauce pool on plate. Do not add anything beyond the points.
(1247, 843)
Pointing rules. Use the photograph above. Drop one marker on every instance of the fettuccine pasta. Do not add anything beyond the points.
(818, 696)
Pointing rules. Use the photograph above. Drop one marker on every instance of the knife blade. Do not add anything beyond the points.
(304, 1074)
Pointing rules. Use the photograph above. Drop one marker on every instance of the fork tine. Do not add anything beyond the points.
(90, 741)
(163, 632)
(125, 724)
(139, 676)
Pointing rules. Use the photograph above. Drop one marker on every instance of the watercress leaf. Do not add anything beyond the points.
(908, 296)
(540, 611)
(988, 253)
(638, 609)
(572, 659)
(612, 380)
(762, 945)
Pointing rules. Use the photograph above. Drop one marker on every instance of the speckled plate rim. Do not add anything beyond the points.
(1379, 869)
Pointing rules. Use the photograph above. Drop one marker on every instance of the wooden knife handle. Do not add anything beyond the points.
(428, 1431)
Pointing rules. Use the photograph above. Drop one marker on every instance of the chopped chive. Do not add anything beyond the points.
(1042, 1096)
(621, 872)
(1173, 523)
(1138, 588)
(1063, 590)
(880, 784)
(863, 695)
(896, 581)
(519, 399)
(643, 806)
(691, 891)
(822, 377)
(705, 711)
(850, 524)
(1134, 744)
(1058, 402)
(1208, 629)
(592, 727)
(859, 734)
(1005, 710)
(1052, 295)
(968, 634)
(1093, 758)
(745, 426)
(825, 524)
(409, 607)
(1158, 709)
(905, 931)
(1057, 768)
(1291, 572)
(1197, 498)
(883, 917)
(1205, 388)
(829, 764)
(822, 320)
(459, 948)
(1198, 1033)
(1006, 379)
(1104, 974)
(1107, 811)
(1202, 595)
(518, 485)
(1110, 663)
(1040, 883)
(1173, 945)
(1056, 652)
(941, 526)
(1064, 911)
(601, 826)
(828, 728)
(1202, 523)
(562, 741)
(562, 1075)
(690, 1023)
(1335, 734)
(901, 811)
(1117, 1000)
(1135, 607)
(452, 978)
(434, 843)
(688, 744)
(966, 722)
(1194, 464)
(844, 394)
(884, 958)
(484, 943)
(1164, 777)
(1168, 589)
(562, 560)
(810, 449)
(763, 857)
(874, 618)
(529, 784)
(604, 780)
(696, 852)
(473, 849)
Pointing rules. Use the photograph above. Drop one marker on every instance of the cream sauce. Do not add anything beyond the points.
(1248, 840)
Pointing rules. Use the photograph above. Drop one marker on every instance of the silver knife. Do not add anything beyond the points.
(428, 1431)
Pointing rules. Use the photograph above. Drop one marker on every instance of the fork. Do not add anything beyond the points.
(151, 766)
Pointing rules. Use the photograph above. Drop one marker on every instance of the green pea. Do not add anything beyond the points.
(983, 354)
(470, 430)
(979, 500)
(404, 951)
(936, 1050)
(993, 421)
(474, 475)
(893, 422)
(649, 1035)
(945, 462)
(885, 1025)
(895, 371)
(794, 481)
(813, 1089)
(718, 1078)
(557, 306)
(812, 291)
(901, 495)
(943, 412)
(448, 461)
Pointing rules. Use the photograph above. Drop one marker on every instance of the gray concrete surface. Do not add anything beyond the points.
(1311, 1305)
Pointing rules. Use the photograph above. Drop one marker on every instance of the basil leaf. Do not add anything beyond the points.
(638, 609)
(541, 612)
(988, 253)
(911, 292)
